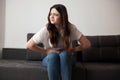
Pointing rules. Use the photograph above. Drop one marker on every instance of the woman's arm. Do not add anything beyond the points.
(84, 44)
(34, 47)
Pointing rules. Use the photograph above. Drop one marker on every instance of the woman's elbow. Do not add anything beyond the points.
(29, 45)
(88, 44)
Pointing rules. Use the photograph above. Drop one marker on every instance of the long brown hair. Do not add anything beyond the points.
(53, 32)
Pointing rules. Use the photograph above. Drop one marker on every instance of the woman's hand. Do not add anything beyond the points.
(69, 49)
(49, 50)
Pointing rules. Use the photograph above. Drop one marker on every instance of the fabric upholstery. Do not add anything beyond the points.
(14, 53)
(104, 49)
(22, 70)
(102, 71)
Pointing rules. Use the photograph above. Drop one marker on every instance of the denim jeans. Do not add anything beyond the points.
(59, 65)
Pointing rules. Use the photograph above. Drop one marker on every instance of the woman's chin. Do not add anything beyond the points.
(52, 23)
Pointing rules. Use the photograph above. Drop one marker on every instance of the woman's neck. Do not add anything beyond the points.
(59, 27)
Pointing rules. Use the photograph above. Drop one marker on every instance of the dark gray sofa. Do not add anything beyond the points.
(99, 62)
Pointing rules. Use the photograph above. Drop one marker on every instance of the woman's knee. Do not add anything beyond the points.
(53, 56)
(64, 54)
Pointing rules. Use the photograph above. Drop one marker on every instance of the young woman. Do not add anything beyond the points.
(57, 37)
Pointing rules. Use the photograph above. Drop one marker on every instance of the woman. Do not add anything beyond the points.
(57, 37)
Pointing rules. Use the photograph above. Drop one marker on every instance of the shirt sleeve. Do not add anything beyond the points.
(75, 33)
(39, 36)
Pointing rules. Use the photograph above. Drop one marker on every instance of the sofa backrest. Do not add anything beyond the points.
(104, 48)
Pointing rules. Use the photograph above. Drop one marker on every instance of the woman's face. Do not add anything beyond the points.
(55, 17)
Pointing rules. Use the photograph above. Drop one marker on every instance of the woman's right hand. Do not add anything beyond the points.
(49, 50)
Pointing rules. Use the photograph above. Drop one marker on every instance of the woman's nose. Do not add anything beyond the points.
(52, 16)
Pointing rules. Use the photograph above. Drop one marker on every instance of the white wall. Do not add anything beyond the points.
(2, 24)
(93, 17)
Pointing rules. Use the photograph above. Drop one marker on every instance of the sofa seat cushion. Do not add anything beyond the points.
(22, 70)
(78, 72)
(102, 71)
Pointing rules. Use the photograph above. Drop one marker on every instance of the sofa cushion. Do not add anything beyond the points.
(35, 56)
(110, 54)
(102, 71)
(78, 72)
(14, 53)
(103, 49)
(109, 41)
(22, 70)
(94, 40)
(32, 55)
(118, 39)
(101, 54)
(91, 55)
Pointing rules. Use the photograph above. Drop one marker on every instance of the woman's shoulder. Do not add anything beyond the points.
(42, 31)
(43, 28)
(72, 26)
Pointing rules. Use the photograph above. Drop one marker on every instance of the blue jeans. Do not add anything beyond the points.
(59, 65)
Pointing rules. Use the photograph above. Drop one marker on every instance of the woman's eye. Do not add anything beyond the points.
(56, 14)
(53, 14)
